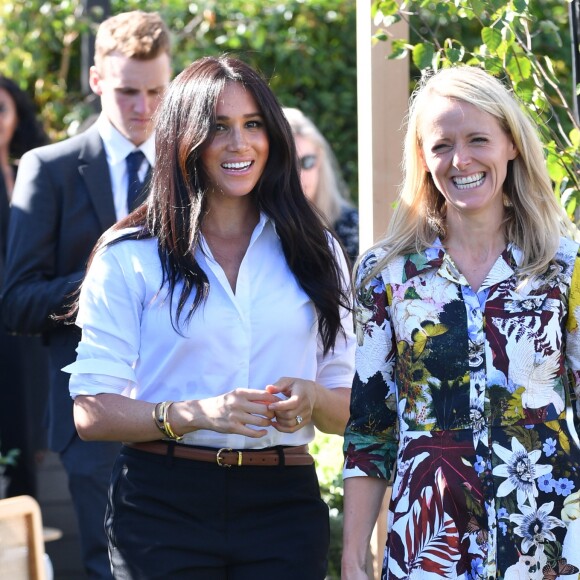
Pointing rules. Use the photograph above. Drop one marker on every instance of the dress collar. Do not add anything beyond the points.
(437, 258)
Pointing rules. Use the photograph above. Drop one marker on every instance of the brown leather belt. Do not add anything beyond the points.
(226, 457)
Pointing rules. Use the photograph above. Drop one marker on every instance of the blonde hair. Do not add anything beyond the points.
(137, 34)
(331, 192)
(534, 218)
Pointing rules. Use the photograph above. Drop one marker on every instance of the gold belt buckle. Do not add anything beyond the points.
(225, 450)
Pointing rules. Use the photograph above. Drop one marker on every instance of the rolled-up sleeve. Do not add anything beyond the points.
(110, 308)
(370, 440)
(336, 368)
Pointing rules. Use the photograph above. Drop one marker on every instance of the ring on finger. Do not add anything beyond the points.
(299, 419)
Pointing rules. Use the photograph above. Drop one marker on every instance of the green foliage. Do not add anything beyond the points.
(327, 452)
(306, 48)
(526, 44)
(38, 51)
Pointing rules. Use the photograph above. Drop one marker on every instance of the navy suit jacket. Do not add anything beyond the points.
(62, 203)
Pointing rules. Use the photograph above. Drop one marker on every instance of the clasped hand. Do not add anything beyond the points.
(250, 411)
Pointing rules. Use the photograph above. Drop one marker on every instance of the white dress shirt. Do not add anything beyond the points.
(117, 147)
(266, 330)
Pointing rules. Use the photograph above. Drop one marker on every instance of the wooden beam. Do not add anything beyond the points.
(382, 96)
(96, 11)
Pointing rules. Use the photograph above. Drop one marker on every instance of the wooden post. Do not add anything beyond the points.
(383, 95)
(97, 11)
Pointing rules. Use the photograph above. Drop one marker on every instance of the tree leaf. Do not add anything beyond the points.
(454, 55)
(423, 55)
(491, 38)
(518, 66)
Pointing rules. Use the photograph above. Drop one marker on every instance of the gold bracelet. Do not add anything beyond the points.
(158, 418)
(160, 413)
(168, 429)
(167, 426)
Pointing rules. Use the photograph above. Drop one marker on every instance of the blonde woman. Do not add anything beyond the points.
(322, 180)
(467, 325)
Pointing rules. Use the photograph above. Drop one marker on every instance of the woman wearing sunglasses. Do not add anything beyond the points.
(322, 180)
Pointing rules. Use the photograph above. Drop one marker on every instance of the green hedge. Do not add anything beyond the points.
(306, 48)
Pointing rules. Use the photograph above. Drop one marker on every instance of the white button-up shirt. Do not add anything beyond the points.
(266, 330)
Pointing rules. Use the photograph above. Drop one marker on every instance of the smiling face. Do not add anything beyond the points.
(130, 91)
(466, 151)
(236, 157)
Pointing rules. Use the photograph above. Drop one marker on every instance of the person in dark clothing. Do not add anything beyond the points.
(66, 195)
(23, 360)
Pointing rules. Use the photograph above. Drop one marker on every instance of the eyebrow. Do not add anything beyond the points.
(248, 116)
(131, 88)
(478, 132)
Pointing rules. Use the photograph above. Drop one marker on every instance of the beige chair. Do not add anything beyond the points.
(21, 541)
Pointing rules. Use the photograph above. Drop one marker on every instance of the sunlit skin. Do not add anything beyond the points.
(130, 91)
(308, 177)
(8, 124)
(236, 157)
(467, 153)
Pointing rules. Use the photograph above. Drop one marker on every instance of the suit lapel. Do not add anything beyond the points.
(94, 169)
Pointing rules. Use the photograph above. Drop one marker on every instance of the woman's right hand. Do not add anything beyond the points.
(112, 417)
(241, 412)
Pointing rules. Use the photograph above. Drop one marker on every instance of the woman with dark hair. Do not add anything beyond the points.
(216, 335)
(20, 129)
(23, 370)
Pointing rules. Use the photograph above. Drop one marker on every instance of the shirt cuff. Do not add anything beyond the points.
(95, 384)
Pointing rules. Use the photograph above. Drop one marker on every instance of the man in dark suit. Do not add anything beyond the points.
(66, 195)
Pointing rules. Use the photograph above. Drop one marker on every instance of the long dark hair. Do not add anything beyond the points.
(29, 132)
(176, 204)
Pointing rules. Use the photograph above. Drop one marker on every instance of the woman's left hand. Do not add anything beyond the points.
(296, 411)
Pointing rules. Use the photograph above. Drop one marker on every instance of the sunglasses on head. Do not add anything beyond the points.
(307, 162)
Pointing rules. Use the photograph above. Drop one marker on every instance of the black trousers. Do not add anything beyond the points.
(88, 466)
(174, 519)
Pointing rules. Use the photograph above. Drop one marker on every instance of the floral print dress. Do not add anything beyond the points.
(467, 396)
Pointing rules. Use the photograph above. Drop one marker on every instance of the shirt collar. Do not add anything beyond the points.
(264, 223)
(117, 147)
(435, 257)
